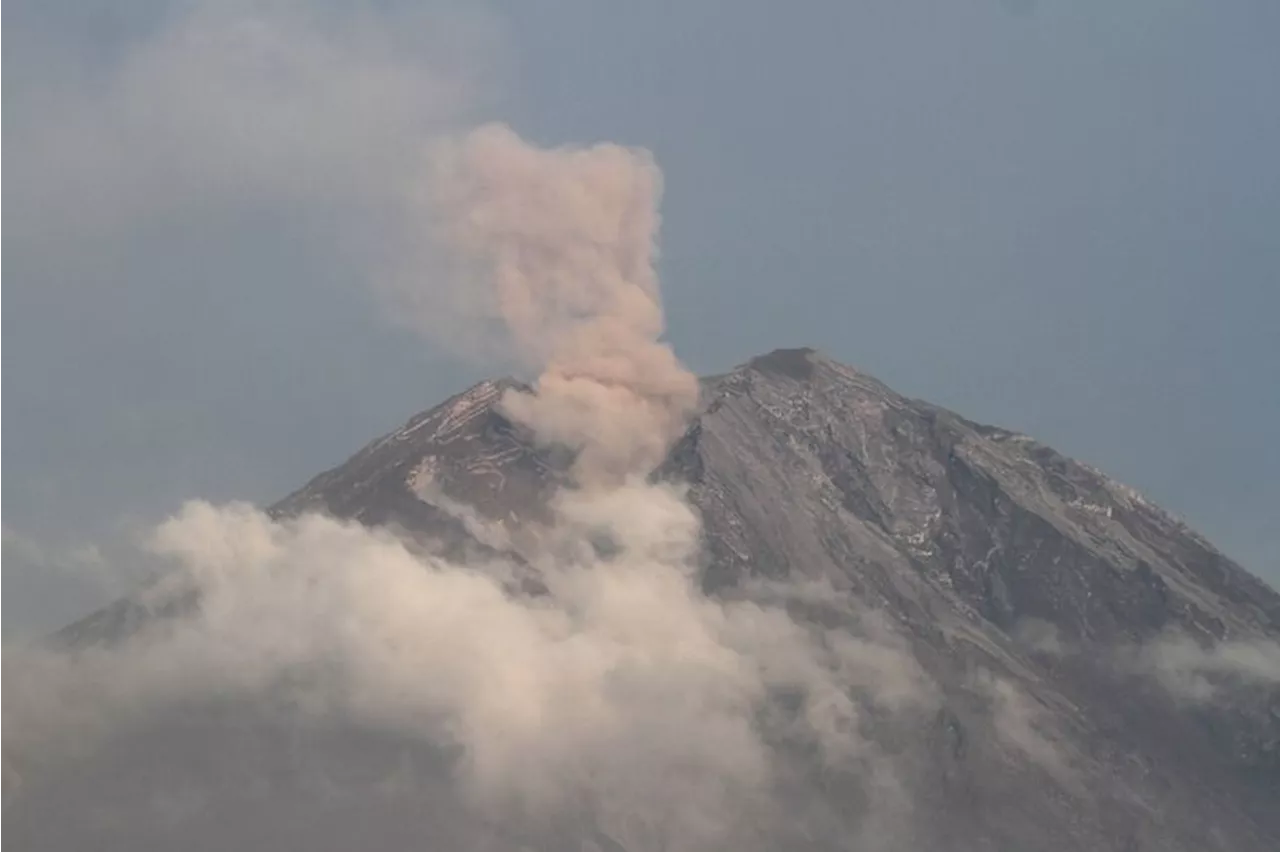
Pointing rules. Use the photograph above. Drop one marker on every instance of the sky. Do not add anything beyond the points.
(1059, 217)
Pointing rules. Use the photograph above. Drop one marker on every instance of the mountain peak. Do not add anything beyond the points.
(798, 363)
(805, 367)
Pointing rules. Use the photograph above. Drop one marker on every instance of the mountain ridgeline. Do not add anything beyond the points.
(1097, 675)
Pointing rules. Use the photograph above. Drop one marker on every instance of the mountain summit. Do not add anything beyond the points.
(1068, 666)
(804, 467)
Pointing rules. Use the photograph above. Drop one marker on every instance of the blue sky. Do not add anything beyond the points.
(1060, 217)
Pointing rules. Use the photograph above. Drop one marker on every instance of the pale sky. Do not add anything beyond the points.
(1059, 217)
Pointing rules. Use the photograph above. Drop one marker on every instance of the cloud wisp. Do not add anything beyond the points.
(1197, 674)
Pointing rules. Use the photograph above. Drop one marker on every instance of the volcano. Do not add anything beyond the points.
(1102, 677)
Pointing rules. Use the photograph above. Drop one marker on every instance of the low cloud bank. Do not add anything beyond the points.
(622, 690)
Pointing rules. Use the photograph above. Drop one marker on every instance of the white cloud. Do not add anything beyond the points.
(623, 689)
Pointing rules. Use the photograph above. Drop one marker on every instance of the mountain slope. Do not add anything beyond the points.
(1100, 676)
(1000, 558)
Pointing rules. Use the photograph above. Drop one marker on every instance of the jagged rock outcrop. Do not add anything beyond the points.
(1058, 613)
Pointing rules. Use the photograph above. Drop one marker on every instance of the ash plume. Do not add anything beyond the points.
(556, 248)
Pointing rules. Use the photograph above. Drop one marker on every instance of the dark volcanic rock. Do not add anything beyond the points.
(463, 452)
(1026, 584)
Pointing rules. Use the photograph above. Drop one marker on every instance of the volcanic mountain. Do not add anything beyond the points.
(1100, 676)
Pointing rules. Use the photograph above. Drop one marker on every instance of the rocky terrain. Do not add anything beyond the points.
(1095, 675)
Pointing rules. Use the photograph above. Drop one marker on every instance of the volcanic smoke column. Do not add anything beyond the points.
(557, 245)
